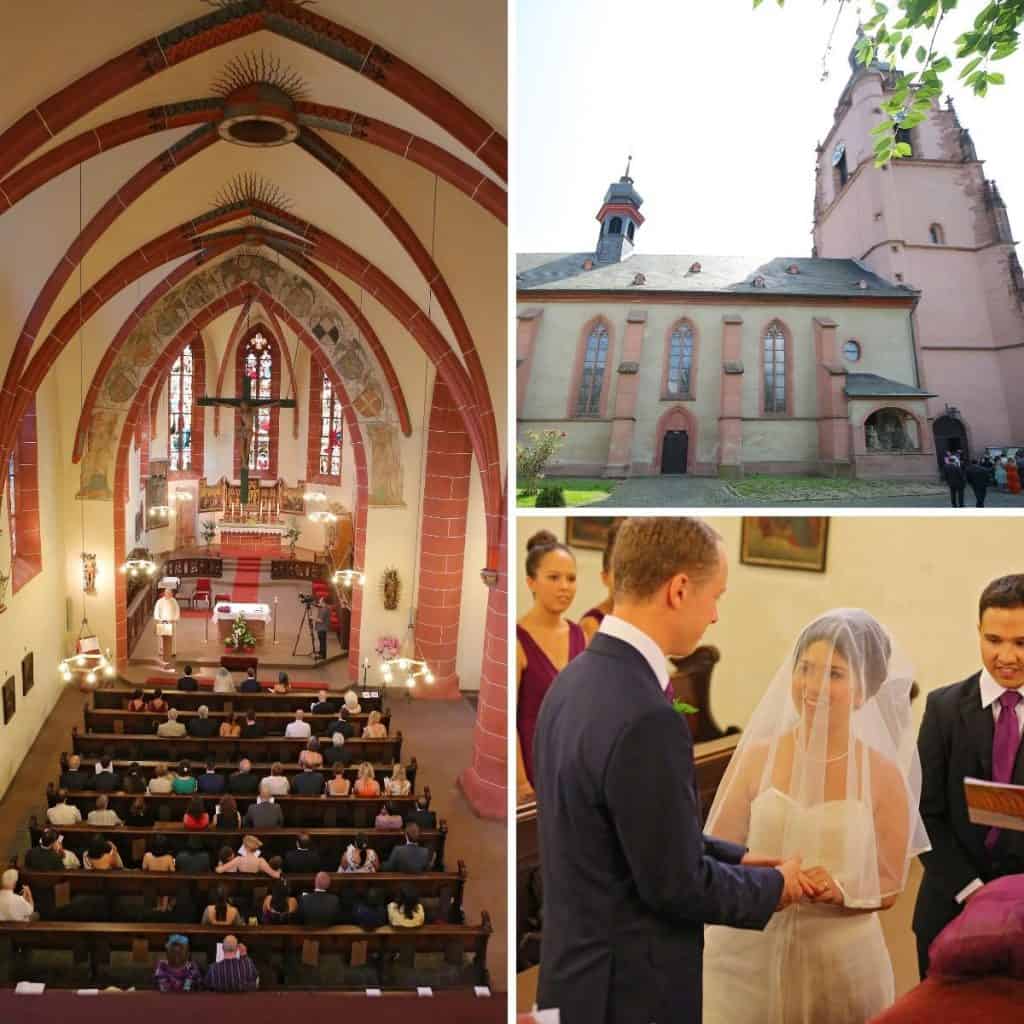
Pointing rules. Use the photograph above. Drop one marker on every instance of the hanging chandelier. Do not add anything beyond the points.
(404, 661)
(315, 496)
(321, 516)
(139, 563)
(348, 577)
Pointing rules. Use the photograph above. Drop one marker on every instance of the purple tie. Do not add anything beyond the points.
(1004, 748)
(670, 693)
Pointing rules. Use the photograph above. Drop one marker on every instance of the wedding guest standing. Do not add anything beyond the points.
(591, 620)
(971, 728)
(546, 640)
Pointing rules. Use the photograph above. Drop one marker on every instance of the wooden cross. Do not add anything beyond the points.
(247, 406)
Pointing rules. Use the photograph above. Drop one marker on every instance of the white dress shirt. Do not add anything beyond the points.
(64, 814)
(612, 625)
(991, 691)
(14, 907)
(298, 730)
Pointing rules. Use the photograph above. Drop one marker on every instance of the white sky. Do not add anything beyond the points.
(720, 105)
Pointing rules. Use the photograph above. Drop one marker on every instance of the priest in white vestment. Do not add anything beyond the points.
(165, 615)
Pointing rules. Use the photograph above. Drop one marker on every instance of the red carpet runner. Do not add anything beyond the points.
(246, 587)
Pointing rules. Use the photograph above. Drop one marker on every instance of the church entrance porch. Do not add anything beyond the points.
(950, 436)
(673, 452)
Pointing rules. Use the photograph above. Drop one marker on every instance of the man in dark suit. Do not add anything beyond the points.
(186, 682)
(252, 729)
(202, 727)
(211, 781)
(971, 728)
(308, 783)
(107, 781)
(264, 813)
(409, 858)
(423, 817)
(323, 706)
(337, 752)
(342, 725)
(250, 684)
(243, 782)
(629, 880)
(319, 908)
(302, 860)
(73, 777)
(194, 859)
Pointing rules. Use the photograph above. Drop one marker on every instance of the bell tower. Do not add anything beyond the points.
(619, 217)
(933, 222)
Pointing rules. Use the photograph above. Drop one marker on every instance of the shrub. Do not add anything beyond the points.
(533, 456)
(550, 497)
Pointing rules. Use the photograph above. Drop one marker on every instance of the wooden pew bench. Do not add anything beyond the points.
(186, 748)
(326, 812)
(145, 722)
(133, 842)
(117, 698)
(83, 954)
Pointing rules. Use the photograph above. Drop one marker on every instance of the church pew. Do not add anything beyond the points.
(242, 889)
(186, 748)
(328, 812)
(118, 697)
(145, 722)
(394, 957)
(331, 841)
(259, 768)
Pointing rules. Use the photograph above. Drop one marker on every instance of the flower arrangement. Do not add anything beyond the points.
(387, 647)
(291, 535)
(240, 636)
(209, 529)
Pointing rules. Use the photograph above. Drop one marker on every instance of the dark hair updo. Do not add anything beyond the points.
(542, 543)
(859, 638)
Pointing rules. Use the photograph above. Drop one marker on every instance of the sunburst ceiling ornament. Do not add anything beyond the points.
(259, 101)
(254, 189)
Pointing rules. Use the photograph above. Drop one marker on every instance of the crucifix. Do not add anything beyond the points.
(247, 406)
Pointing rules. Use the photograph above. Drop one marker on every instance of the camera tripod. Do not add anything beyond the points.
(313, 651)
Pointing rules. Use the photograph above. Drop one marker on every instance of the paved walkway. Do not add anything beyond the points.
(710, 492)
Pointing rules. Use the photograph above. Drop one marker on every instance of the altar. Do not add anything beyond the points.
(256, 616)
(253, 534)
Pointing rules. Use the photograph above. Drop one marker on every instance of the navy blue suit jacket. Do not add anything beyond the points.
(629, 879)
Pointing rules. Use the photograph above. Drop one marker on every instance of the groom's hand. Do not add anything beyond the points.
(792, 892)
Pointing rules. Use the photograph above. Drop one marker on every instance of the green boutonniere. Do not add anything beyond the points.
(683, 708)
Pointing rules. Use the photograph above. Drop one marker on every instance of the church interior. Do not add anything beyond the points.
(876, 563)
(253, 349)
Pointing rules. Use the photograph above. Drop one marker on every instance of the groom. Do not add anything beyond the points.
(629, 880)
(972, 728)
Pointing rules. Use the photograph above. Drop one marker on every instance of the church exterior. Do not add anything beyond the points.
(853, 362)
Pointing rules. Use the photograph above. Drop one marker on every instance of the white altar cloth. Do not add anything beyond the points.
(252, 612)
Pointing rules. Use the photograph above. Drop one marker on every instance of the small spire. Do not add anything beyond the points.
(629, 160)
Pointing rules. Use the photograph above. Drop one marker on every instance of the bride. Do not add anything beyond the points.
(827, 769)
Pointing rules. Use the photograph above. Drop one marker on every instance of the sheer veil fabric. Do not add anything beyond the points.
(828, 769)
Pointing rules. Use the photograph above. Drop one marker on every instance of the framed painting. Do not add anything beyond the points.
(293, 500)
(785, 542)
(28, 673)
(156, 495)
(588, 531)
(8, 698)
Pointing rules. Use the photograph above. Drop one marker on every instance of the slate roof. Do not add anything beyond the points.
(870, 385)
(831, 278)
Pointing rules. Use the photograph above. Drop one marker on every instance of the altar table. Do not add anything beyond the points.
(257, 616)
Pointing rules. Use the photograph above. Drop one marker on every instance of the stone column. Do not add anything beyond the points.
(443, 544)
(833, 412)
(730, 421)
(620, 448)
(484, 782)
(527, 325)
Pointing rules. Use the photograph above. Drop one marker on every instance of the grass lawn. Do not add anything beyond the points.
(815, 488)
(577, 491)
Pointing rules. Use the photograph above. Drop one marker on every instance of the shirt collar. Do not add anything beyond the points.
(991, 689)
(613, 626)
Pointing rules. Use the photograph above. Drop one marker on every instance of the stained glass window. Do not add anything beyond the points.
(680, 360)
(588, 400)
(330, 430)
(179, 411)
(774, 369)
(259, 368)
(12, 507)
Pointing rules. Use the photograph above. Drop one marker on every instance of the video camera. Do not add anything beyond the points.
(307, 599)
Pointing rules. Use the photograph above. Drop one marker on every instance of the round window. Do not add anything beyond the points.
(851, 350)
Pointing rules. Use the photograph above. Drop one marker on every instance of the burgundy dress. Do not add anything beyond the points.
(595, 613)
(537, 676)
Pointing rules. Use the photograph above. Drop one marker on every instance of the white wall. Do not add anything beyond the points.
(921, 576)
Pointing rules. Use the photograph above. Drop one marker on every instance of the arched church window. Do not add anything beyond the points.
(325, 428)
(775, 355)
(12, 505)
(179, 412)
(595, 361)
(851, 351)
(260, 362)
(629, 230)
(937, 235)
(679, 372)
(891, 430)
(615, 228)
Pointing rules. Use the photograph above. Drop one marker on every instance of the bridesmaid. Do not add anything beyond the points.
(546, 640)
(591, 620)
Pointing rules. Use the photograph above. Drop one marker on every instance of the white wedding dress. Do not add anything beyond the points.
(813, 964)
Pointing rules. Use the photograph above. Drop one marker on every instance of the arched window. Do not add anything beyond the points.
(851, 350)
(615, 228)
(260, 361)
(629, 230)
(679, 368)
(325, 428)
(937, 235)
(179, 412)
(891, 430)
(774, 360)
(12, 505)
(23, 503)
(595, 362)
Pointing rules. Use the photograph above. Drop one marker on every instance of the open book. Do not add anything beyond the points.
(995, 803)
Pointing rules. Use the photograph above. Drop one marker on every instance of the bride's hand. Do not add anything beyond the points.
(755, 860)
(827, 891)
